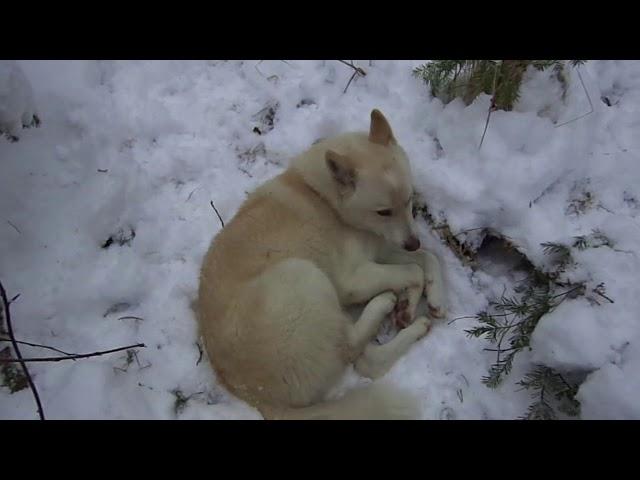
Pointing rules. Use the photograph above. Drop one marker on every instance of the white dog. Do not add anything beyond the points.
(335, 229)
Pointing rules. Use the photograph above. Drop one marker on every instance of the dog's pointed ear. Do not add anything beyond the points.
(380, 130)
(341, 170)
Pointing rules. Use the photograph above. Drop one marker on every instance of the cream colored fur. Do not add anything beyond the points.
(333, 230)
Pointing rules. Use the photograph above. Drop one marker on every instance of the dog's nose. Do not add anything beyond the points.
(412, 244)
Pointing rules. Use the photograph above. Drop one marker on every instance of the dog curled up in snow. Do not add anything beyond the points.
(335, 229)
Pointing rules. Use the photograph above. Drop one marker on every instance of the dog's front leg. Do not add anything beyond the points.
(434, 285)
(370, 279)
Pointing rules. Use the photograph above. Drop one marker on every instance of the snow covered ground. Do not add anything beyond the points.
(135, 151)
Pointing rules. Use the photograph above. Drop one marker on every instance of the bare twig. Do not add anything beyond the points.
(192, 192)
(349, 82)
(15, 228)
(356, 71)
(246, 172)
(217, 213)
(32, 386)
(547, 189)
(36, 345)
(603, 296)
(131, 318)
(200, 353)
(602, 207)
(588, 98)
(71, 357)
(491, 108)
(486, 124)
(460, 318)
(355, 67)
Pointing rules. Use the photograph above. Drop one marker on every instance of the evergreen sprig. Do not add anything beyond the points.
(467, 79)
(549, 387)
(513, 322)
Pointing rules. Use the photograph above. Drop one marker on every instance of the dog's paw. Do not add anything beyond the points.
(386, 302)
(436, 310)
(435, 299)
(422, 325)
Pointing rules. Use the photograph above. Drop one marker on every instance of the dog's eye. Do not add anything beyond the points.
(385, 213)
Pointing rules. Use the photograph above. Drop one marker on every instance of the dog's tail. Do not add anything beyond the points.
(375, 401)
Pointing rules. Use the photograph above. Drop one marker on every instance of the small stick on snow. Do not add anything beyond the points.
(491, 108)
(603, 296)
(131, 318)
(192, 192)
(15, 228)
(356, 71)
(200, 351)
(7, 314)
(355, 67)
(217, 213)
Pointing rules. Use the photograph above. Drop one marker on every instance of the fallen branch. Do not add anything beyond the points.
(71, 357)
(7, 314)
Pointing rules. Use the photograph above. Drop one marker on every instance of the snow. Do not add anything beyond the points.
(16, 98)
(611, 392)
(145, 146)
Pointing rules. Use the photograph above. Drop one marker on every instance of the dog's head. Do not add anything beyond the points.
(372, 177)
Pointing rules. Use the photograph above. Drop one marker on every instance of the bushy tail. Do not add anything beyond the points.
(374, 402)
